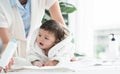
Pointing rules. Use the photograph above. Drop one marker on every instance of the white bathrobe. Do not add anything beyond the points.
(62, 51)
(10, 18)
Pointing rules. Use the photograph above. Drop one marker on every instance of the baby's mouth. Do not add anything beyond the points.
(41, 44)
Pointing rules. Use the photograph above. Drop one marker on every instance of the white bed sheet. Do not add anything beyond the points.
(87, 70)
(86, 66)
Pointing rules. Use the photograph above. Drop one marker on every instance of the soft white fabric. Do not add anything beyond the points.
(10, 18)
(62, 51)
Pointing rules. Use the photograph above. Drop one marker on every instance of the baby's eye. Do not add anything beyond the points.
(39, 35)
(46, 38)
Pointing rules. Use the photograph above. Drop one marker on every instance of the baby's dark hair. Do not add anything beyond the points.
(55, 28)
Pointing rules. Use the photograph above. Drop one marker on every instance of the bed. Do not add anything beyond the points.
(84, 66)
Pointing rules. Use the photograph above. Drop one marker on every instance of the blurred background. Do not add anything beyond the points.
(91, 23)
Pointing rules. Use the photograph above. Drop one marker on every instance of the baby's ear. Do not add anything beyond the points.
(57, 41)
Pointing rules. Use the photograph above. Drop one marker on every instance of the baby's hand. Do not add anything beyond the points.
(37, 63)
(51, 63)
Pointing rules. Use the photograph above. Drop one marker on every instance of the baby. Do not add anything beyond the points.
(50, 45)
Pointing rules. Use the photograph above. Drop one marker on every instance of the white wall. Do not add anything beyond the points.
(106, 13)
(92, 15)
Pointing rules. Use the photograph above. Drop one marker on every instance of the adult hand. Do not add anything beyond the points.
(8, 67)
(0, 69)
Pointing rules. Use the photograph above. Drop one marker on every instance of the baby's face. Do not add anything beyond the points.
(45, 39)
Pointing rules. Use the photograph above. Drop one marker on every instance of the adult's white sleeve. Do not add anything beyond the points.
(3, 20)
(49, 3)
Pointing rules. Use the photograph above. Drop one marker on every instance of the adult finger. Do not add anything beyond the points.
(0, 69)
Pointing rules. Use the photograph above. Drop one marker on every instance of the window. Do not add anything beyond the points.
(91, 16)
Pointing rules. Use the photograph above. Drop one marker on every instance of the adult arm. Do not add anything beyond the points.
(4, 35)
(55, 12)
